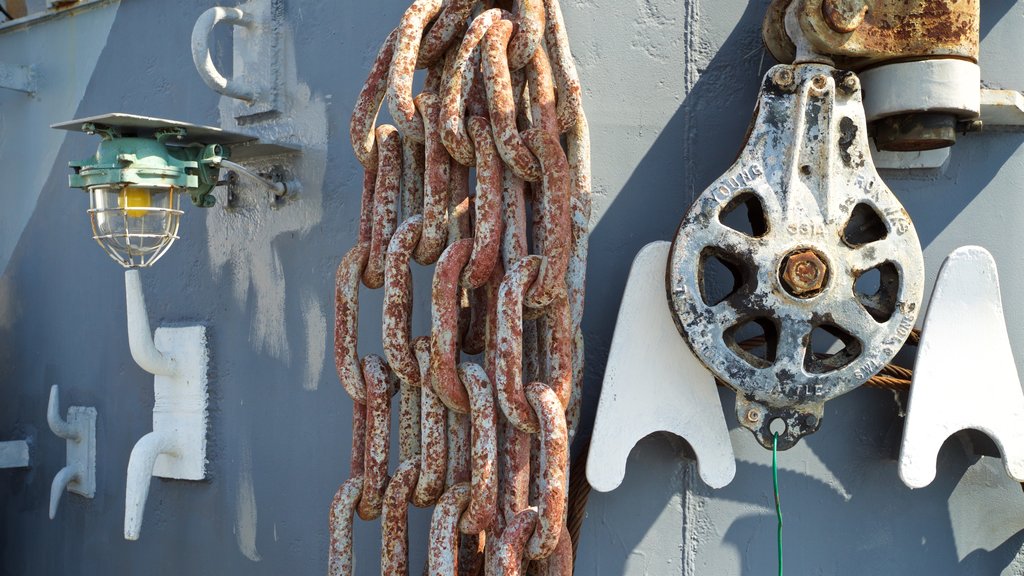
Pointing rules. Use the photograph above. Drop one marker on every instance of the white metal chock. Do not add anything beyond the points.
(79, 475)
(964, 376)
(653, 382)
(176, 448)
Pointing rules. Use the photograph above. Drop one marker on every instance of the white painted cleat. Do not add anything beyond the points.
(964, 376)
(654, 383)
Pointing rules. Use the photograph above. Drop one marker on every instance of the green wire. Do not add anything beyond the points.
(775, 482)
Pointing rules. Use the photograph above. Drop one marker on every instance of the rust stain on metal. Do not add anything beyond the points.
(339, 560)
(449, 25)
(458, 203)
(459, 451)
(508, 372)
(378, 437)
(510, 549)
(542, 94)
(435, 186)
(398, 299)
(433, 436)
(364, 116)
(570, 93)
(443, 551)
(444, 344)
(484, 450)
(385, 202)
(554, 206)
(553, 463)
(366, 202)
(528, 35)
(502, 104)
(403, 67)
(458, 85)
(513, 213)
(346, 321)
(486, 205)
(408, 422)
(413, 166)
(394, 527)
(861, 32)
(804, 273)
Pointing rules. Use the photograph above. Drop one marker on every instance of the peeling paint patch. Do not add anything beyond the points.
(242, 241)
(245, 507)
(316, 340)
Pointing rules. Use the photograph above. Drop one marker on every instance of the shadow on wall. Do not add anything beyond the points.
(695, 146)
(854, 516)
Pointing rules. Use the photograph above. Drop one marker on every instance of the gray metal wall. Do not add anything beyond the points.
(670, 85)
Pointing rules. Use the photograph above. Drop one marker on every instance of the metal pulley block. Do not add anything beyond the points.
(797, 275)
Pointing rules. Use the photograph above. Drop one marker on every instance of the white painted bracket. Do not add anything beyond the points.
(79, 475)
(1001, 109)
(176, 448)
(256, 56)
(654, 383)
(964, 376)
(17, 77)
(14, 454)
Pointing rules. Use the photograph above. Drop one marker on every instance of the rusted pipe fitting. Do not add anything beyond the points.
(860, 33)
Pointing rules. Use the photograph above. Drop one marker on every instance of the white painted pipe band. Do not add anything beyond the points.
(941, 85)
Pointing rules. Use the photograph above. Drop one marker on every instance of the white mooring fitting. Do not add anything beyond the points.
(79, 474)
(964, 376)
(654, 383)
(176, 448)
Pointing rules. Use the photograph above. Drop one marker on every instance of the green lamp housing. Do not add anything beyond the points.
(135, 185)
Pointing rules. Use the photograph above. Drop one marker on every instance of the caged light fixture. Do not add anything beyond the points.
(142, 168)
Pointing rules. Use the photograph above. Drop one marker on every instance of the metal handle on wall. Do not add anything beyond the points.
(201, 52)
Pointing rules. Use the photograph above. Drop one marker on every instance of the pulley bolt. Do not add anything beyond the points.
(783, 77)
(844, 16)
(753, 415)
(850, 83)
(804, 273)
(818, 84)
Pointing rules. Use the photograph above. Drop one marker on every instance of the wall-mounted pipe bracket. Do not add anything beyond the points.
(255, 85)
(178, 358)
(79, 475)
(19, 78)
(964, 375)
(14, 454)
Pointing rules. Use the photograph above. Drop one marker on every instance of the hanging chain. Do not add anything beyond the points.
(488, 401)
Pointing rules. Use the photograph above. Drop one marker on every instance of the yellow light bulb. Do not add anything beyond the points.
(133, 197)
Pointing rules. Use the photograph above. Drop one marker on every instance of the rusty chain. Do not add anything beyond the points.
(488, 401)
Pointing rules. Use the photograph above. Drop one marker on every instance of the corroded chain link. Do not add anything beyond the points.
(489, 400)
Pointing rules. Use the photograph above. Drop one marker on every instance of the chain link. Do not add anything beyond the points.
(484, 441)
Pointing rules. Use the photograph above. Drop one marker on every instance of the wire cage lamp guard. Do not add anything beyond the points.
(135, 225)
